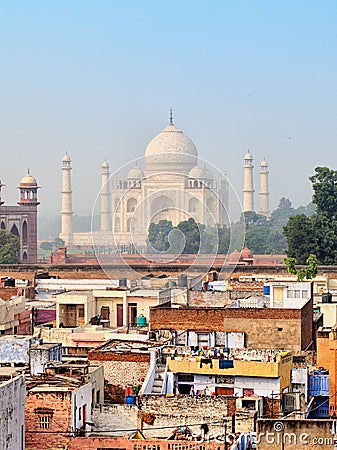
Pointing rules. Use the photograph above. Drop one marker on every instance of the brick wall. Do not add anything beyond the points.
(264, 327)
(120, 370)
(208, 299)
(148, 444)
(307, 325)
(299, 434)
(181, 410)
(123, 373)
(96, 272)
(271, 407)
(60, 404)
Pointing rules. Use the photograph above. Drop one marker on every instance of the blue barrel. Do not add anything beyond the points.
(266, 290)
(130, 399)
(141, 321)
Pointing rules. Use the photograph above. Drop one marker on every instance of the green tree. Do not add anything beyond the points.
(316, 234)
(9, 248)
(57, 243)
(47, 246)
(301, 238)
(252, 219)
(158, 235)
(280, 216)
(304, 273)
(324, 184)
(265, 240)
(192, 232)
(309, 209)
(224, 238)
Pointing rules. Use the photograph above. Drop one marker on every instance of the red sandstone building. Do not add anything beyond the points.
(21, 220)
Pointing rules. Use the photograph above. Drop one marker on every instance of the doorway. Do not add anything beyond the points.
(119, 314)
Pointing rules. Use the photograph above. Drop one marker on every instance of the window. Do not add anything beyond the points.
(249, 404)
(305, 294)
(185, 377)
(44, 417)
(131, 205)
(297, 293)
(44, 422)
(105, 312)
(290, 293)
(248, 392)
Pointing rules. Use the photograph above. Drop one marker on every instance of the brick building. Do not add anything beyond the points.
(125, 363)
(327, 358)
(21, 220)
(262, 327)
(56, 409)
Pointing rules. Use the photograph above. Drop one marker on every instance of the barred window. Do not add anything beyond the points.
(44, 422)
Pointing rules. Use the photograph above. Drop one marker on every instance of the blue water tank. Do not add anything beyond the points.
(141, 321)
(266, 290)
(130, 399)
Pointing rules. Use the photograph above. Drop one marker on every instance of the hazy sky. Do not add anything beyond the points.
(97, 78)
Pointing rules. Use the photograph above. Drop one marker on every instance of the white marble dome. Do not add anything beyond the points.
(197, 173)
(66, 157)
(28, 179)
(135, 173)
(171, 151)
(208, 174)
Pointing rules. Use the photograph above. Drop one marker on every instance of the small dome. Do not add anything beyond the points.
(246, 253)
(264, 163)
(197, 172)
(135, 173)
(28, 179)
(248, 155)
(235, 256)
(66, 157)
(208, 174)
(105, 164)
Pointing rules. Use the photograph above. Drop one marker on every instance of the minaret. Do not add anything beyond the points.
(1, 186)
(264, 192)
(67, 209)
(248, 189)
(28, 205)
(105, 198)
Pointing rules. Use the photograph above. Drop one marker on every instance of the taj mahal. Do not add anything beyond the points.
(169, 183)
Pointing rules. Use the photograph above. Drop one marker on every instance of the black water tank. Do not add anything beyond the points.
(122, 282)
(327, 298)
(10, 282)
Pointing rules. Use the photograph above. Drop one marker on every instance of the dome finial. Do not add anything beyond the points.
(171, 117)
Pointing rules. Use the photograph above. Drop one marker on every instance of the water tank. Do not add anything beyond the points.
(130, 399)
(182, 280)
(266, 290)
(141, 321)
(10, 282)
(122, 282)
(327, 298)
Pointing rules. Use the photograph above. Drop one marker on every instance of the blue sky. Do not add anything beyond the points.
(97, 78)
